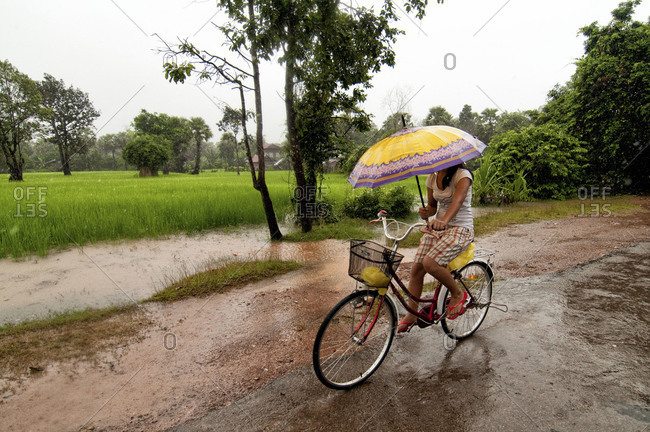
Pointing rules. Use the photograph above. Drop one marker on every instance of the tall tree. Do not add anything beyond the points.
(19, 111)
(332, 50)
(231, 122)
(489, 119)
(147, 152)
(228, 149)
(395, 122)
(200, 132)
(306, 33)
(175, 131)
(70, 117)
(606, 103)
(250, 46)
(113, 145)
(438, 115)
(469, 121)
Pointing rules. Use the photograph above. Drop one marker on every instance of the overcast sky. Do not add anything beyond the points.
(504, 54)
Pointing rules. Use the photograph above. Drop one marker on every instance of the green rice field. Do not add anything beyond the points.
(49, 210)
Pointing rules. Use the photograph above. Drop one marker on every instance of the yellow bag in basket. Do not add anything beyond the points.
(374, 277)
(462, 259)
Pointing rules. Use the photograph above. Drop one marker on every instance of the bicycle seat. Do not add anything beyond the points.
(466, 256)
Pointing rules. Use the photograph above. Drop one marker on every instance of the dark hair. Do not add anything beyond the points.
(450, 173)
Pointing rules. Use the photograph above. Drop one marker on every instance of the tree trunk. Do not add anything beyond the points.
(15, 174)
(14, 159)
(302, 192)
(65, 162)
(145, 172)
(260, 184)
(197, 161)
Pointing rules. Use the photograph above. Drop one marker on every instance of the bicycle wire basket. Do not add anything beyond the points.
(365, 253)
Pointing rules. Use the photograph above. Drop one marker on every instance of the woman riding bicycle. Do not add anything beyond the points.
(445, 237)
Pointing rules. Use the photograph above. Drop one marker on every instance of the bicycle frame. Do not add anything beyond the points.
(433, 316)
(357, 333)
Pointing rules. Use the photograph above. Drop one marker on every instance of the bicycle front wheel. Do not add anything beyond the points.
(475, 278)
(354, 339)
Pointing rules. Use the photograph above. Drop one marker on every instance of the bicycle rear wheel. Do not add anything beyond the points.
(475, 278)
(354, 339)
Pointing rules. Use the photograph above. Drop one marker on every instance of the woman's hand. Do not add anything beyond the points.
(437, 225)
(424, 212)
(434, 227)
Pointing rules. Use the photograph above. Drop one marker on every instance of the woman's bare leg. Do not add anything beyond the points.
(415, 288)
(444, 275)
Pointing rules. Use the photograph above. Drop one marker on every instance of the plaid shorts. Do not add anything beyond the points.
(452, 242)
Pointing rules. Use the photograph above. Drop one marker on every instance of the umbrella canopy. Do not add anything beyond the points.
(414, 151)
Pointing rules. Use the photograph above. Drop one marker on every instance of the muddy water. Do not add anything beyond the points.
(113, 274)
(570, 354)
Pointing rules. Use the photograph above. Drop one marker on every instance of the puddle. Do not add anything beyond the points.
(112, 274)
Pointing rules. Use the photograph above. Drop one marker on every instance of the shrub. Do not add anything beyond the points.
(492, 187)
(551, 160)
(146, 152)
(366, 203)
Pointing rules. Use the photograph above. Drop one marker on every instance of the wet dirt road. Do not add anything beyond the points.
(571, 354)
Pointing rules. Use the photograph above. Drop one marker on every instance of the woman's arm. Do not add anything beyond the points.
(457, 200)
(431, 208)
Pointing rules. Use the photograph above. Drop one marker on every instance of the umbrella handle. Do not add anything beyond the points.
(420, 190)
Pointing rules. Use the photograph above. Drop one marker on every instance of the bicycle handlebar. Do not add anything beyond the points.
(381, 217)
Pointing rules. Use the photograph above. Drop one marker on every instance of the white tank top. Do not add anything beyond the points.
(464, 216)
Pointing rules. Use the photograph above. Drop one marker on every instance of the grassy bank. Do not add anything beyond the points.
(222, 279)
(30, 346)
(544, 210)
(492, 220)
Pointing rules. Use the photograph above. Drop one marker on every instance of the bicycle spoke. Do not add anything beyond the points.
(342, 357)
(476, 280)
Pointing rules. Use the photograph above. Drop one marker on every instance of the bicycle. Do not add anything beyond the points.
(358, 331)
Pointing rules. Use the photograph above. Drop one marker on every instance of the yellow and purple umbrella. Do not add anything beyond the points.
(414, 151)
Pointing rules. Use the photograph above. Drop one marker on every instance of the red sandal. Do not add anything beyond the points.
(462, 305)
(409, 326)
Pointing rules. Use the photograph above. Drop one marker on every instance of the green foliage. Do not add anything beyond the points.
(352, 158)
(147, 152)
(200, 133)
(513, 121)
(551, 160)
(113, 145)
(19, 112)
(469, 121)
(490, 187)
(69, 119)
(438, 115)
(394, 123)
(365, 203)
(344, 229)
(606, 104)
(487, 182)
(175, 132)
